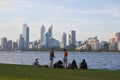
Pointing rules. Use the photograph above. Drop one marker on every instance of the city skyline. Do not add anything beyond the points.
(88, 18)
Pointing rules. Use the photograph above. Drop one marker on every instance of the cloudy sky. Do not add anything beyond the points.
(88, 17)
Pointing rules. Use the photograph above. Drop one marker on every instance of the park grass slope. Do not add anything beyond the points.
(24, 72)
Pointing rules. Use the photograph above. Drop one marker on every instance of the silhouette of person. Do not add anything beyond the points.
(58, 64)
(51, 57)
(74, 65)
(83, 64)
(65, 58)
(36, 62)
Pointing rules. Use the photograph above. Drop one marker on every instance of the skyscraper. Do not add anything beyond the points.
(63, 41)
(26, 36)
(9, 45)
(72, 37)
(15, 46)
(21, 42)
(50, 31)
(46, 40)
(4, 43)
(42, 33)
(117, 37)
(117, 40)
(72, 40)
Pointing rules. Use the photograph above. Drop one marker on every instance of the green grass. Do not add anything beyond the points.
(23, 72)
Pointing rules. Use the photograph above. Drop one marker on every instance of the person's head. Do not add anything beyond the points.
(83, 60)
(74, 61)
(36, 59)
(51, 49)
(64, 49)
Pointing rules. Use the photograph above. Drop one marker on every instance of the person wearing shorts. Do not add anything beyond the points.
(51, 57)
(65, 58)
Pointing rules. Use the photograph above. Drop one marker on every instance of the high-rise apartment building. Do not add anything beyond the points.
(50, 31)
(117, 37)
(15, 46)
(42, 33)
(72, 38)
(9, 45)
(94, 43)
(4, 43)
(64, 40)
(117, 40)
(118, 46)
(46, 40)
(26, 36)
(113, 44)
(21, 42)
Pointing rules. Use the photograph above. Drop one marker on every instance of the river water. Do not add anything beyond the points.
(95, 60)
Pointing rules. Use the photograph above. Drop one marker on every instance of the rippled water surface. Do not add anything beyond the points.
(101, 60)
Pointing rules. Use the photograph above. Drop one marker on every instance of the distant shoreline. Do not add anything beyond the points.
(60, 51)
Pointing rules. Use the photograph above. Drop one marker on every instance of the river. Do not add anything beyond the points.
(95, 60)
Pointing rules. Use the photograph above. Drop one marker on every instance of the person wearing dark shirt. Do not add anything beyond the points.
(74, 65)
(83, 64)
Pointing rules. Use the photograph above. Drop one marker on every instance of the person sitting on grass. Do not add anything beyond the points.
(58, 64)
(74, 65)
(36, 62)
(83, 64)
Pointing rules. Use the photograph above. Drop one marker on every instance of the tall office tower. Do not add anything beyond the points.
(72, 38)
(4, 43)
(26, 36)
(64, 40)
(15, 46)
(46, 40)
(117, 37)
(50, 31)
(21, 42)
(9, 45)
(42, 33)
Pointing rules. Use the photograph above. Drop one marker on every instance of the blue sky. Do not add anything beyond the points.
(88, 17)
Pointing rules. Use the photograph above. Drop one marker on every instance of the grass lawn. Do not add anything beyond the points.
(23, 72)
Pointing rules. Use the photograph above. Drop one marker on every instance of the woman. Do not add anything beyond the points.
(65, 58)
(51, 57)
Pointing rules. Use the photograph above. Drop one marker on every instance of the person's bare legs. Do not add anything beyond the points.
(65, 64)
(51, 64)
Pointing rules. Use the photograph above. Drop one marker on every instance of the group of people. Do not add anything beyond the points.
(52, 58)
(64, 64)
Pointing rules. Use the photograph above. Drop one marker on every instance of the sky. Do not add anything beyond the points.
(88, 18)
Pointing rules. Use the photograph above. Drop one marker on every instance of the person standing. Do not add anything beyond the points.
(65, 58)
(51, 57)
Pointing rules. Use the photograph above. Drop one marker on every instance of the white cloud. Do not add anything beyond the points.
(115, 12)
(6, 5)
(12, 28)
(13, 5)
(13, 22)
(19, 21)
